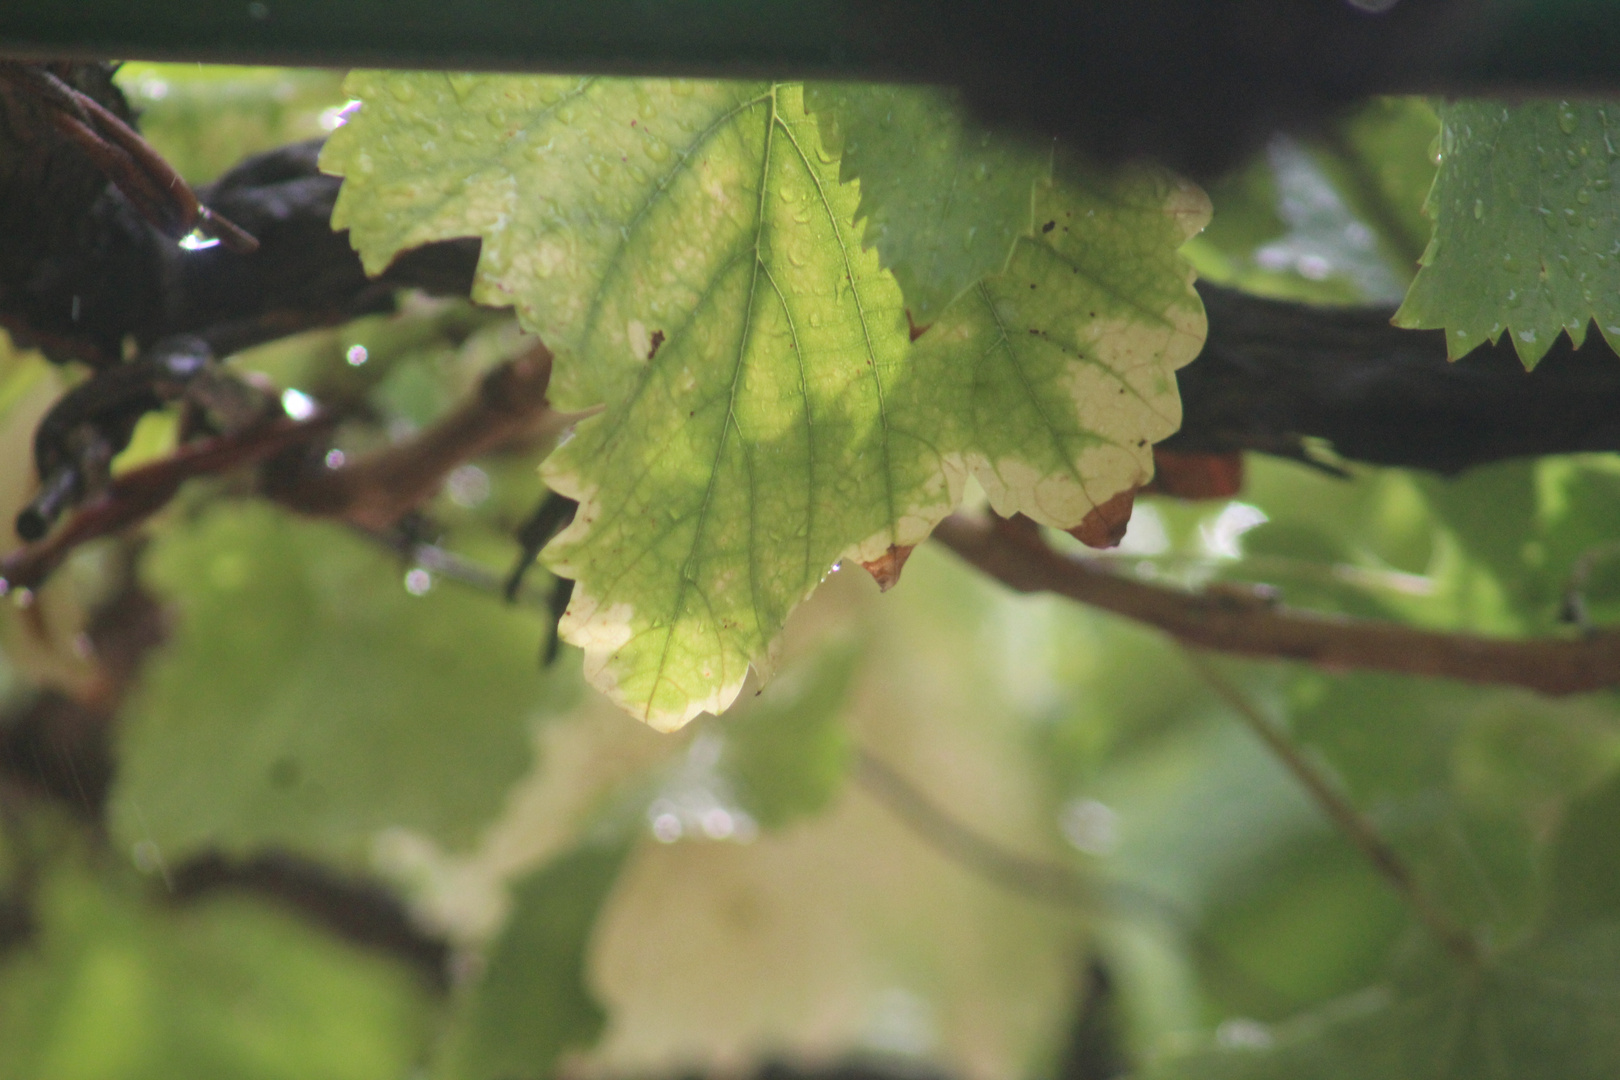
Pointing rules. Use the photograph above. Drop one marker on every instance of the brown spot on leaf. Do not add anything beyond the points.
(657, 339)
(911, 325)
(1105, 526)
(1049, 226)
(885, 569)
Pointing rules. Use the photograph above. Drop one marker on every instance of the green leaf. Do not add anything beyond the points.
(110, 988)
(1527, 226)
(787, 752)
(1585, 863)
(943, 198)
(1550, 1011)
(308, 701)
(1461, 779)
(688, 249)
(531, 1003)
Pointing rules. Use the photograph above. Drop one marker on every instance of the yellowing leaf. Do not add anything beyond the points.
(688, 250)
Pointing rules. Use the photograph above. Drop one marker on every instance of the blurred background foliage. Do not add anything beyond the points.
(610, 902)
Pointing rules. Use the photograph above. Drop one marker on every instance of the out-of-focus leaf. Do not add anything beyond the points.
(1548, 1011)
(1526, 224)
(111, 988)
(1336, 219)
(531, 1003)
(309, 701)
(1460, 778)
(787, 752)
(206, 118)
(1380, 160)
(1586, 861)
(943, 198)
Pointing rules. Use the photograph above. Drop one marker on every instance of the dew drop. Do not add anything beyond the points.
(1567, 119)
(1479, 209)
(657, 150)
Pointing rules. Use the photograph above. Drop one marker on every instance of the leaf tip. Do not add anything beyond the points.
(885, 569)
(1104, 526)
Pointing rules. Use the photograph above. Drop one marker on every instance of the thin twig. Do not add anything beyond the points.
(144, 176)
(1051, 883)
(375, 492)
(372, 494)
(1014, 553)
(1042, 881)
(140, 493)
(1350, 821)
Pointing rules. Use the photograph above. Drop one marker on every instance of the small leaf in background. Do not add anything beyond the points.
(112, 987)
(1461, 779)
(530, 1004)
(308, 701)
(942, 198)
(1333, 219)
(1546, 1011)
(1526, 225)
(787, 752)
(206, 118)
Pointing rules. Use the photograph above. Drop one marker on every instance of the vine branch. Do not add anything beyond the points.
(1013, 552)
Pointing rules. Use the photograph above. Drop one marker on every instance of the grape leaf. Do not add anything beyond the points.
(1548, 1011)
(342, 707)
(112, 988)
(531, 1003)
(688, 250)
(943, 198)
(1460, 779)
(1527, 228)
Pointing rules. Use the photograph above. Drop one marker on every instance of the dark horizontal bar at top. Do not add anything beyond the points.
(697, 37)
(1193, 83)
(1514, 42)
